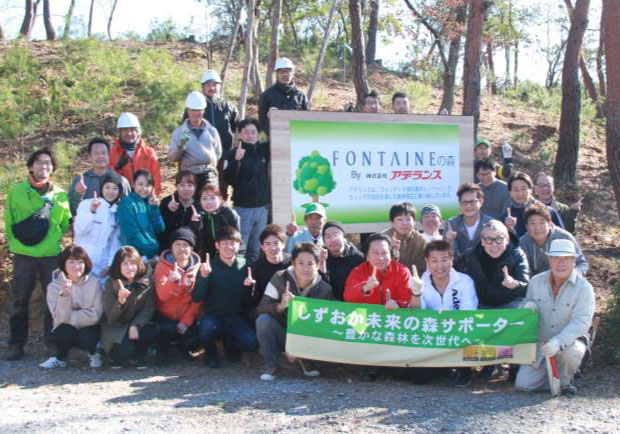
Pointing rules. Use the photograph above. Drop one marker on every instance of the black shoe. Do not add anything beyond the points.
(369, 374)
(14, 352)
(212, 362)
(489, 372)
(462, 377)
(569, 390)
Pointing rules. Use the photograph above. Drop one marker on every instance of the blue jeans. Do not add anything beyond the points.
(237, 334)
(253, 221)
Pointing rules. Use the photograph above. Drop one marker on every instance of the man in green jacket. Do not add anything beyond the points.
(224, 285)
(34, 242)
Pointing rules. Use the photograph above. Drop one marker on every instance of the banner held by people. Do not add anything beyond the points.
(371, 335)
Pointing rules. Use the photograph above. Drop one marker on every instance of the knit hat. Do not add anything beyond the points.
(431, 209)
(114, 178)
(185, 234)
(333, 224)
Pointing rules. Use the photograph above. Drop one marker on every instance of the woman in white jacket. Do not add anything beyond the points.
(96, 228)
(76, 304)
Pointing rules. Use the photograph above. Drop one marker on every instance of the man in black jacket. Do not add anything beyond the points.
(246, 169)
(283, 95)
(342, 257)
(498, 267)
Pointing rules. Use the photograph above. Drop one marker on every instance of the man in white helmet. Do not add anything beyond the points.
(130, 152)
(196, 143)
(283, 95)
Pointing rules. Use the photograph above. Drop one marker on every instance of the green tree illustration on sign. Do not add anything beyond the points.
(314, 176)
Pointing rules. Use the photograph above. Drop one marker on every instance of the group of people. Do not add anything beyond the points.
(144, 275)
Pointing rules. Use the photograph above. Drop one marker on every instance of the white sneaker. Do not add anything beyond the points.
(269, 374)
(95, 360)
(53, 362)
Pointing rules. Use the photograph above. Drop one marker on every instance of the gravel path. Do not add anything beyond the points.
(188, 397)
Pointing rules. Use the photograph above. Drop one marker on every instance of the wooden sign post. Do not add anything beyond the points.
(359, 164)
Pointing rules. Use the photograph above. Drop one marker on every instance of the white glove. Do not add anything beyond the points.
(506, 150)
(531, 306)
(551, 348)
(415, 282)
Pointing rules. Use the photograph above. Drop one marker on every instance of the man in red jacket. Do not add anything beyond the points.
(130, 153)
(378, 280)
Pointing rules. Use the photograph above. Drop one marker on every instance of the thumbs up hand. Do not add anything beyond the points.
(415, 282)
(450, 233)
(66, 286)
(240, 152)
(80, 187)
(173, 205)
(94, 204)
(506, 149)
(195, 215)
(249, 281)
(205, 267)
(292, 227)
(175, 276)
(371, 283)
(286, 297)
(510, 221)
(123, 293)
(508, 281)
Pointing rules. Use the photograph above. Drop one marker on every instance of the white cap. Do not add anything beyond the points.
(127, 120)
(284, 62)
(209, 75)
(562, 248)
(195, 101)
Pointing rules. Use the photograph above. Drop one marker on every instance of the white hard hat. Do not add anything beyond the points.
(195, 101)
(284, 62)
(127, 120)
(209, 75)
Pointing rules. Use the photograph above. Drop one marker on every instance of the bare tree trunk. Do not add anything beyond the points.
(611, 36)
(344, 26)
(110, 19)
(90, 18)
(245, 82)
(599, 58)
(67, 30)
(507, 57)
(50, 33)
(373, 26)
(515, 75)
(292, 24)
(491, 64)
(2, 37)
(565, 167)
(359, 61)
(449, 74)
(26, 27)
(319, 60)
(257, 85)
(231, 45)
(274, 45)
(590, 86)
(471, 66)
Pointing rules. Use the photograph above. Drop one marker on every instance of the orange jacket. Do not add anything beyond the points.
(144, 157)
(395, 278)
(174, 299)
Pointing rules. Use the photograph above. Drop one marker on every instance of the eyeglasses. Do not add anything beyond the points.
(496, 240)
(44, 163)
